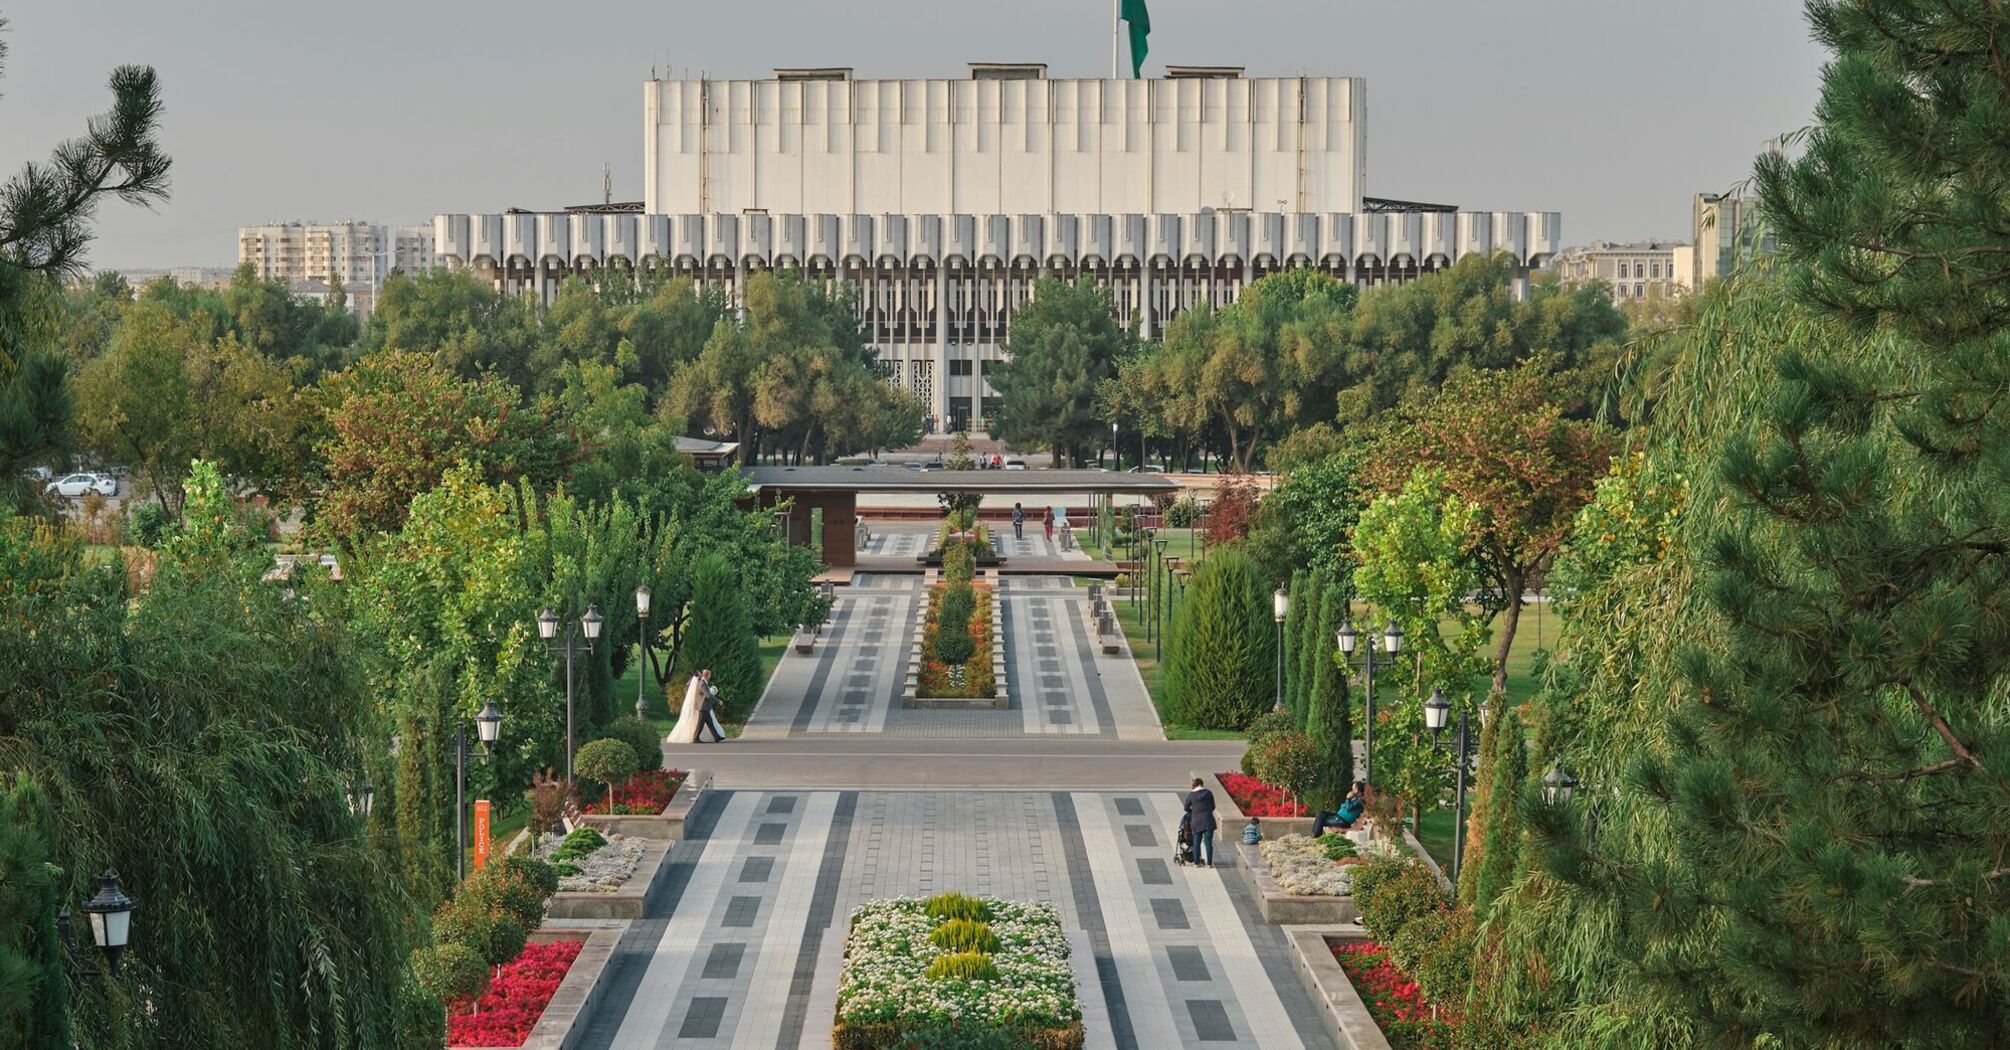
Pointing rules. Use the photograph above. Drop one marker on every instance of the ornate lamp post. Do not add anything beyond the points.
(1280, 607)
(1392, 643)
(361, 798)
(1558, 785)
(110, 913)
(1437, 711)
(570, 647)
(488, 725)
(1158, 597)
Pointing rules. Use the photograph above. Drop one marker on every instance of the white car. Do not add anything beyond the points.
(1015, 464)
(76, 486)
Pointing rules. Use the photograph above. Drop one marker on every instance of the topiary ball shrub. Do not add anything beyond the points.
(606, 762)
(1267, 725)
(962, 966)
(449, 972)
(1287, 761)
(639, 735)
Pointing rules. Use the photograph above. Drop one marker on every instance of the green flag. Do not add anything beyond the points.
(1141, 27)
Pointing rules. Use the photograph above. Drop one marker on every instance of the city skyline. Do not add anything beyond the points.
(397, 113)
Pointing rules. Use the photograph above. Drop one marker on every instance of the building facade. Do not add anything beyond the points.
(1728, 232)
(1641, 270)
(940, 202)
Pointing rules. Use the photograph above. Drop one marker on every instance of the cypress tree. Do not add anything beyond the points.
(1221, 653)
(1294, 645)
(1329, 722)
(1310, 645)
(721, 636)
(1493, 836)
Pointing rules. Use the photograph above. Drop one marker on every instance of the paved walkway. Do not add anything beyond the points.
(744, 948)
(835, 796)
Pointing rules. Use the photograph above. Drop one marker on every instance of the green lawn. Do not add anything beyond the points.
(657, 703)
(1146, 656)
(1435, 834)
(1184, 544)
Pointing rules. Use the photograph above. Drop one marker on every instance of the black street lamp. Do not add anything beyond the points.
(110, 913)
(488, 726)
(570, 647)
(1158, 598)
(1437, 711)
(361, 798)
(648, 662)
(1558, 785)
(1280, 607)
(1392, 643)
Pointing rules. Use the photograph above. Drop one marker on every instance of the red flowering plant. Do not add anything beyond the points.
(1258, 799)
(1393, 998)
(643, 795)
(516, 998)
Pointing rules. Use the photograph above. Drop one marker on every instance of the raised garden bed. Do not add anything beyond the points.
(612, 881)
(1258, 799)
(642, 795)
(1406, 1020)
(955, 970)
(505, 1014)
(978, 538)
(980, 680)
(1283, 907)
(667, 824)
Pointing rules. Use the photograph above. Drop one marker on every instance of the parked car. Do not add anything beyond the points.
(1015, 464)
(1149, 468)
(76, 486)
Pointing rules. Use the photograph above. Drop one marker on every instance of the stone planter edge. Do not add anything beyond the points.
(1341, 1008)
(666, 826)
(1288, 909)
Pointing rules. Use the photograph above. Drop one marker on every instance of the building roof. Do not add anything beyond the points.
(906, 479)
(691, 446)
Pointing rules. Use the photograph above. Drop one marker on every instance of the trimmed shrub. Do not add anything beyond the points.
(721, 637)
(639, 735)
(959, 565)
(964, 935)
(1267, 725)
(952, 624)
(1392, 892)
(944, 907)
(1337, 846)
(449, 972)
(1437, 949)
(1221, 651)
(1287, 760)
(963, 966)
(481, 927)
(606, 762)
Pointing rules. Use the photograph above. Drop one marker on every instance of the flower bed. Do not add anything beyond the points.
(971, 679)
(589, 862)
(952, 970)
(1311, 867)
(643, 795)
(1392, 997)
(516, 998)
(1258, 799)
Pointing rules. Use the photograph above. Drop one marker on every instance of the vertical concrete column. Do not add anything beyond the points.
(939, 402)
(1149, 317)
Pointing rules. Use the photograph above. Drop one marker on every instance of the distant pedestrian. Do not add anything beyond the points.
(1047, 521)
(1199, 806)
(1018, 521)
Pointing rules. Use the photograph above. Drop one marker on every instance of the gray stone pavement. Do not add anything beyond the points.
(835, 796)
(744, 948)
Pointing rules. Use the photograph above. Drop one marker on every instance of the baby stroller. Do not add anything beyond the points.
(1183, 848)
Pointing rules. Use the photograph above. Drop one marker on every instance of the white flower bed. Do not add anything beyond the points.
(888, 951)
(1299, 865)
(602, 871)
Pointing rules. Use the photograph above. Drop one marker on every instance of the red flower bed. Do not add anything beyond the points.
(642, 795)
(505, 1014)
(1258, 799)
(1392, 998)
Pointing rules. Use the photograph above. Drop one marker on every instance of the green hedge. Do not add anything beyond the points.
(1221, 650)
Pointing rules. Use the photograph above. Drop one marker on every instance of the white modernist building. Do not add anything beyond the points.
(939, 202)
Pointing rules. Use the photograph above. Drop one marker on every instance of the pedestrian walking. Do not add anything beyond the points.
(1199, 806)
(1047, 521)
(1018, 521)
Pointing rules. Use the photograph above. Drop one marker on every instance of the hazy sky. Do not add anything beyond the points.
(1612, 112)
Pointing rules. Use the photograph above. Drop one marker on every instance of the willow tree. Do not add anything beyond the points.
(201, 733)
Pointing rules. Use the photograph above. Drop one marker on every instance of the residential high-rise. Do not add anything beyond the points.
(939, 202)
(1641, 270)
(308, 256)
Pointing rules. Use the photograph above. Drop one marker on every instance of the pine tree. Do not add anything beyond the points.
(721, 637)
(1837, 785)
(33, 989)
(1221, 653)
(1329, 719)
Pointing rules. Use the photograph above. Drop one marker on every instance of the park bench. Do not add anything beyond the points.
(805, 640)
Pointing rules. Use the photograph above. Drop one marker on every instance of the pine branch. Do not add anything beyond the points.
(1939, 724)
(1914, 883)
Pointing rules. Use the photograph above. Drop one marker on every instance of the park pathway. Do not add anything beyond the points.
(834, 795)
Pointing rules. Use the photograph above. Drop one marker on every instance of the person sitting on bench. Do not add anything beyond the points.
(1348, 813)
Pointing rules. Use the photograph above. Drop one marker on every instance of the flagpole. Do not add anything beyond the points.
(1116, 31)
